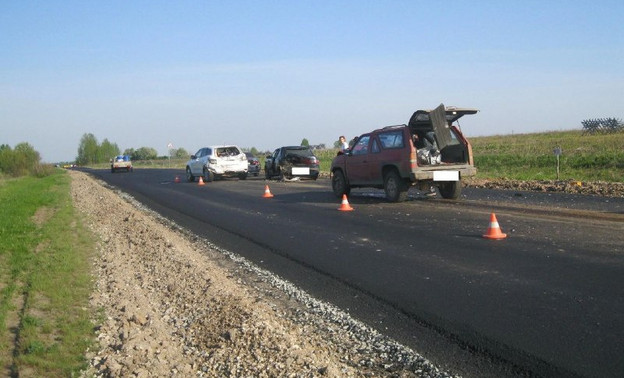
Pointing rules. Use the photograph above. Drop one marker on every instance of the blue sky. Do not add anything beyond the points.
(269, 73)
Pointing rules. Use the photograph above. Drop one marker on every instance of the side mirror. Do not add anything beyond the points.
(193, 157)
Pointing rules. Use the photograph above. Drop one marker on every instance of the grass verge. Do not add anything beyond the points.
(45, 279)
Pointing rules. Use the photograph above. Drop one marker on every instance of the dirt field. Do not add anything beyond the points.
(172, 305)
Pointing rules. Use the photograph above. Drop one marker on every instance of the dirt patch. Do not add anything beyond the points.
(173, 305)
(42, 215)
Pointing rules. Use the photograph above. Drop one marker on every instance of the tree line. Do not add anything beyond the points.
(21, 160)
(90, 151)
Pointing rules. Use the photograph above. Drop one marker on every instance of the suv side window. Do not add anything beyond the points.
(361, 147)
(392, 139)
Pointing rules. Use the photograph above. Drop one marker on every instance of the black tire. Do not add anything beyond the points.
(395, 187)
(208, 176)
(242, 176)
(339, 184)
(189, 175)
(450, 189)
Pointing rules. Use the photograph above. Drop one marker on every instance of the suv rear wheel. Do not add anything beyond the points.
(339, 184)
(450, 190)
(395, 187)
(208, 176)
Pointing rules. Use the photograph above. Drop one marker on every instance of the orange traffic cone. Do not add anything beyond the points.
(494, 231)
(267, 192)
(201, 181)
(345, 204)
(177, 179)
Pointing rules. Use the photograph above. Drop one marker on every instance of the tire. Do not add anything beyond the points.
(208, 176)
(339, 184)
(242, 176)
(266, 174)
(450, 189)
(395, 187)
(189, 175)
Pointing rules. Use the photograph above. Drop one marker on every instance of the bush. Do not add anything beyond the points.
(21, 161)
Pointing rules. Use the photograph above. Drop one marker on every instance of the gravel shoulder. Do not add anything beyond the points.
(171, 304)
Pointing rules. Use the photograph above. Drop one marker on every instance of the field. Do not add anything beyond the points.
(598, 157)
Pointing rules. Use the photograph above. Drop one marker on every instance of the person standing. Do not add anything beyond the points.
(344, 146)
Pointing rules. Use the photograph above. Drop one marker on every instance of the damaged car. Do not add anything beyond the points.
(215, 162)
(430, 152)
(292, 162)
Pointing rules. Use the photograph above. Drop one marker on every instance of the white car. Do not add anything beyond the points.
(217, 161)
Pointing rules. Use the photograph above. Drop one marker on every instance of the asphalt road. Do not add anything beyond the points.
(546, 301)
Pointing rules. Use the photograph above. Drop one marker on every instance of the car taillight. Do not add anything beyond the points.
(413, 158)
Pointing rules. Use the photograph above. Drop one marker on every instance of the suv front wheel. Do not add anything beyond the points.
(189, 175)
(339, 184)
(395, 187)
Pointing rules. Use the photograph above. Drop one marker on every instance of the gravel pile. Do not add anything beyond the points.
(597, 188)
(170, 304)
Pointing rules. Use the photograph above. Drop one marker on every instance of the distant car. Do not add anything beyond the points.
(290, 162)
(121, 162)
(215, 162)
(253, 164)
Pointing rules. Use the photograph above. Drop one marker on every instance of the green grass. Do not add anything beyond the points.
(597, 157)
(45, 278)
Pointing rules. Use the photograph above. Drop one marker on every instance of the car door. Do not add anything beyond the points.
(197, 163)
(358, 168)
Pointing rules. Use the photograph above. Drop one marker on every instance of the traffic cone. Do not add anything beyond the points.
(267, 192)
(494, 231)
(177, 179)
(201, 181)
(345, 204)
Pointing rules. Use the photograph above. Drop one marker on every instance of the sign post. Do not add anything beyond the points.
(557, 151)
(170, 147)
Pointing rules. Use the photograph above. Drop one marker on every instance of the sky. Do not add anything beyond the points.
(270, 73)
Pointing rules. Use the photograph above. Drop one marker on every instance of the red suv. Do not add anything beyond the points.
(430, 151)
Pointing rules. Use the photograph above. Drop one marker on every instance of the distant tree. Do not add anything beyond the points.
(254, 151)
(6, 157)
(145, 153)
(179, 153)
(129, 152)
(107, 150)
(87, 150)
(20, 161)
(305, 143)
